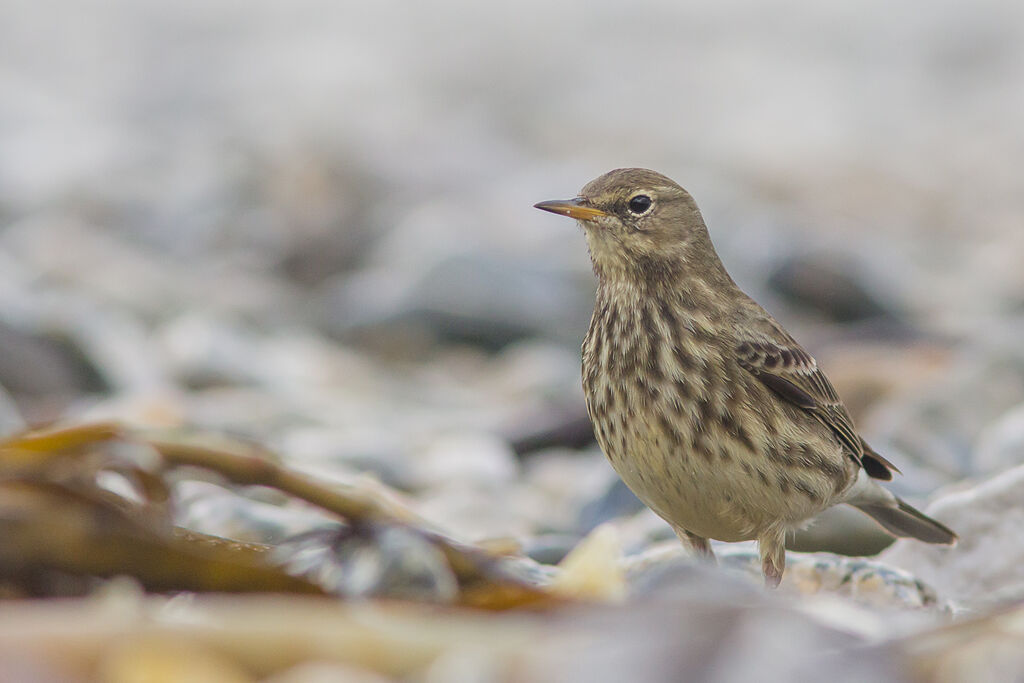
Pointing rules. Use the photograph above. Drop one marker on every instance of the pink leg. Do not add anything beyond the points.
(697, 544)
(772, 573)
(773, 557)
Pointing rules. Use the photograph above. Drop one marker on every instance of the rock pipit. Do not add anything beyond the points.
(706, 407)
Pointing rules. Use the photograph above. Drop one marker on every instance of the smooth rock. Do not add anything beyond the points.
(979, 648)
(841, 529)
(11, 420)
(1001, 444)
(828, 285)
(550, 548)
(168, 659)
(327, 672)
(984, 568)
(565, 481)
(488, 300)
(472, 513)
(931, 431)
(616, 501)
(564, 427)
(593, 569)
(476, 458)
(707, 635)
(44, 372)
(861, 581)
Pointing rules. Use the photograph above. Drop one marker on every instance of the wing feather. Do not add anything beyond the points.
(793, 374)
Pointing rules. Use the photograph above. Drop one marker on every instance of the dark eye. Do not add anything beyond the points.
(639, 204)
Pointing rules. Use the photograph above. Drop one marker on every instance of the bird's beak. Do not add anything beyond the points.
(573, 208)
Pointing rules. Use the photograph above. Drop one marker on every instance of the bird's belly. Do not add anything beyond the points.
(719, 487)
(711, 502)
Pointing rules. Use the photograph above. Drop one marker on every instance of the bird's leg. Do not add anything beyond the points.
(772, 570)
(699, 545)
(773, 557)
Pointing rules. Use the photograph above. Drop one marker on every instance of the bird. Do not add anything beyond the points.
(705, 406)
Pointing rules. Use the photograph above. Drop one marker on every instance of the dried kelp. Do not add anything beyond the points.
(93, 501)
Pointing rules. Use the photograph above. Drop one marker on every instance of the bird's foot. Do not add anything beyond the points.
(772, 573)
(773, 556)
(699, 545)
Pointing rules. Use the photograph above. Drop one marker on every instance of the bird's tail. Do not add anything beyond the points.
(904, 521)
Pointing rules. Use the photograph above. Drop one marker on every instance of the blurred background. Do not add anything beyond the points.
(310, 224)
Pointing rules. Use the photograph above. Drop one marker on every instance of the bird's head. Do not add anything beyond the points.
(637, 220)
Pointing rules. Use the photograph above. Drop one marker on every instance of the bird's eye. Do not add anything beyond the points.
(640, 204)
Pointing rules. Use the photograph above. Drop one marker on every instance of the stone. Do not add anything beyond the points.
(828, 285)
(841, 529)
(563, 427)
(11, 420)
(477, 458)
(327, 672)
(617, 501)
(564, 482)
(550, 548)
(487, 300)
(860, 581)
(706, 634)
(930, 431)
(592, 570)
(168, 659)
(981, 648)
(45, 371)
(1001, 444)
(984, 569)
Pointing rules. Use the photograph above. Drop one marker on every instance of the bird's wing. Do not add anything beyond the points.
(789, 371)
